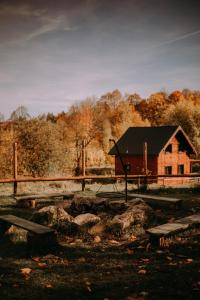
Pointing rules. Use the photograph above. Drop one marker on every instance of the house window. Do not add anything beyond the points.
(169, 148)
(168, 170)
(180, 169)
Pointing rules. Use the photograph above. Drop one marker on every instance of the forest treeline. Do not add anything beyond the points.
(51, 144)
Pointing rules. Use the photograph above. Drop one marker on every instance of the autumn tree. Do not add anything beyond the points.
(152, 109)
(1, 117)
(20, 114)
(40, 146)
(187, 115)
(79, 126)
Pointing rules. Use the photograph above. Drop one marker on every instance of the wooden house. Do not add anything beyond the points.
(168, 151)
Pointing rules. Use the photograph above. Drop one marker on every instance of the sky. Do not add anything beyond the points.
(55, 53)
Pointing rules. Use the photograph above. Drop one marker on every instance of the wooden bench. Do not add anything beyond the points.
(158, 199)
(159, 233)
(30, 200)
(190, 220)
(42, 234)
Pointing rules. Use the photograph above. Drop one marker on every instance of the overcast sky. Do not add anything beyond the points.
(53, 53)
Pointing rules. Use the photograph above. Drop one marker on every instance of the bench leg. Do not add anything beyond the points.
(4, 226)
(41, 243)
(32, 204)
(154, 240)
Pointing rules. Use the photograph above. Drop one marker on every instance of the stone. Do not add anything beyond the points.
(135, 201)
(86, 219)
(97, 229)
(97, 239)
(82, 203)
(50, 215)
(140, 214)
(117, 205)
(143, 213)
(67, 228)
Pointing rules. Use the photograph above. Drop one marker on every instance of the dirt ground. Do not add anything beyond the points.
(111, 270)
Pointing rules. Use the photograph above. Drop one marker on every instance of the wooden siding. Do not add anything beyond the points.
(173, 159)
(136, 163)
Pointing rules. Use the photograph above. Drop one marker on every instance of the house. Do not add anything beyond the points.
(168, 151)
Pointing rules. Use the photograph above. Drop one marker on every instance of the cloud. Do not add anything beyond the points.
(51, 24)
(179, 38)
(23, 22)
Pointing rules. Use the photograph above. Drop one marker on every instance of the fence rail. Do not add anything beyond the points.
(137, 179)
(31, 179)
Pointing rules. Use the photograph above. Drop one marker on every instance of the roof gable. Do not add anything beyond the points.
(157, 138)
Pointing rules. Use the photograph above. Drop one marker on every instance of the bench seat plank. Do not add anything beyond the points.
(167, 229)
(43, 196)
(25, 224)
(192, 220)
(157, 198)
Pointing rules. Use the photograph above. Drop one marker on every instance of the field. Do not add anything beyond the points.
(107, 270)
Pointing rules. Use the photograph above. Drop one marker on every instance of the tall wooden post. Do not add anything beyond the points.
(83, 164)
(15, 167)
(145, 158)
(145, 164)
(83, 158)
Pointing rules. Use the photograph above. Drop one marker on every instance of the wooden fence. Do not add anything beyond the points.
(138, 179)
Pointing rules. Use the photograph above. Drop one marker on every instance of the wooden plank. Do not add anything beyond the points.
(44, 196)
(25, 224)
(191, 220)
(167, 229)
(156, 198)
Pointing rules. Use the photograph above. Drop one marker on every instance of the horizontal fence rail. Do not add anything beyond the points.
(139, 180)
(32, 179)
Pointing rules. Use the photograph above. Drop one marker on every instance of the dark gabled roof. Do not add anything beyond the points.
(133, 139)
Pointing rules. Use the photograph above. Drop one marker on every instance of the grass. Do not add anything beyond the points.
(77, 270)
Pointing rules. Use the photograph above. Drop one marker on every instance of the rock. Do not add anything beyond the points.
(120, 222)
(117, 205)
(51, 215)
(82, 203)
(135, 201)
(97, 239)
(140, 214)
(68, 228)
(97, 229)
(99, 205)
(88, 204)
(86, 219)
(143, 213)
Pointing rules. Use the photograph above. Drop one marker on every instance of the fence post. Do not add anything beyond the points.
(83, 164)
(138, 182)
(145, 183)
(15, 167)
